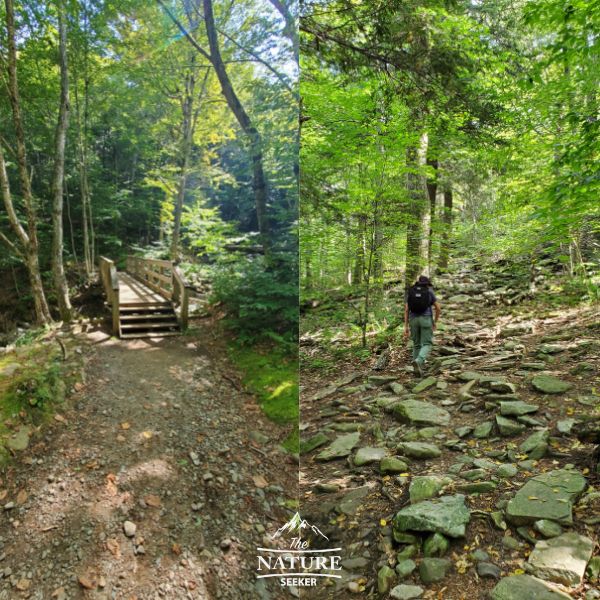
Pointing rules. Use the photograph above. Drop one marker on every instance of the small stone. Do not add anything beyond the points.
(506, 470)
(548, 529)
(424, 385)
(503, 387)
(406, 592)
(480, 487)
(432, 570)
(391, 464)
(436, 545)
(353, 587)
(342, 446)
(129, 528)
(593, 569)
(517, 408)
(488, 570)
(565, 426)
(385, 579)
(508, 541)
(480, 555)
(367, 455)
(405, 567)
(508, 427)
(483, 430)
(419, 450)
(319, 439)
(426, 486)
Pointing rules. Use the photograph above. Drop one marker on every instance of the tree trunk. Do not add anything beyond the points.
(254, 138)
(187, 109)
(359, 259)
(291, 27)
(58, 271)
(417, 211)
(432, 192)
(27, 238)
(447, 229)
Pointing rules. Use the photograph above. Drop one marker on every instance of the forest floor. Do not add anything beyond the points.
(158, 479)
(364, 430)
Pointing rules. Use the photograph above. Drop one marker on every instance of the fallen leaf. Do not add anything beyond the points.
(125, 425)
(382, 522)
(3, 494)
(60, 419)
(22, 497)
(260, 481)
(147, 434)
(152, 500)
(23, 585)
(78, 386)
(176, 548)
(59, 593)
(113, 547)
(87, 582)
(120, 438)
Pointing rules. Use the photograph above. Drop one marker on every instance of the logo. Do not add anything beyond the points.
(298, 565)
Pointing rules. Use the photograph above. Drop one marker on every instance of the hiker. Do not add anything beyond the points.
(420, 321)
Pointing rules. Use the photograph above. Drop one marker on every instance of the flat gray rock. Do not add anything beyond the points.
(342, 446)
(562, 559)
(426, 486)
(406, 592)
(548, 384)
(418, 412)
(352, 500)
(517, 408)
(508, 427)
(424, 384)
(419, 450)
(547, 496)
(526, 587)
(367, 455)
(448, 515)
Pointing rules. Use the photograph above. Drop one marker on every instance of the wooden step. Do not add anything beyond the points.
(149, 334)
(144, 305)
(148, 317)
(153, 325)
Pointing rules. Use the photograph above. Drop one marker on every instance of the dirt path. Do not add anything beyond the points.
(355, 504)
(162, 436)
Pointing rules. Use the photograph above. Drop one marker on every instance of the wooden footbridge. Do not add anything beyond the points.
(143, 299)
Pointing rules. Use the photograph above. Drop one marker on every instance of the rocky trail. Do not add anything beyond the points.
(470, 482)
(158, 480)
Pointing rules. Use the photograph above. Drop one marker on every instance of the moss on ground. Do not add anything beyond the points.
(35, 388)
(272, 375)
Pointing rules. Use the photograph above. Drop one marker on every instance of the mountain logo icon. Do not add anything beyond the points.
(296, 525)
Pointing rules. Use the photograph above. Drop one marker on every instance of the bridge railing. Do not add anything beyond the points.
(165, 279)
(110, 282)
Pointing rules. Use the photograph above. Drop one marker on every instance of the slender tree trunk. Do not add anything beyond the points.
(27, 238)
(447, 229)
(291, 27)
(417, 196)
(187, 109)
(58, 271)
(432, 193)
(359, 258)
(254, 138)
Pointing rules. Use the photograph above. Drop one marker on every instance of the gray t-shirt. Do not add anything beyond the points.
(429, 311)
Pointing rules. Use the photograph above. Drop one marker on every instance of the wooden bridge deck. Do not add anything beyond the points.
(133, 291)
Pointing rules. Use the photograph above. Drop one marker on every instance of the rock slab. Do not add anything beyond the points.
(421, 413)
(547, 496)
(341, 447)
(448, 515)
(562, 559)
(525, 587)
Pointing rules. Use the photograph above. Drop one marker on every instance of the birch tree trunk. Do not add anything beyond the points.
(27, 236)
(416, 239)
(447, 221)
(58, 271)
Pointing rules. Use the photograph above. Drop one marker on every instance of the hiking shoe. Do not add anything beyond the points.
(417, 368)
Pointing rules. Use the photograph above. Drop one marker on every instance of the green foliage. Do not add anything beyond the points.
(272, 374)
(260, 296)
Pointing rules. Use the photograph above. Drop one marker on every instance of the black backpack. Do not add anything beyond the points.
(419, 299)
